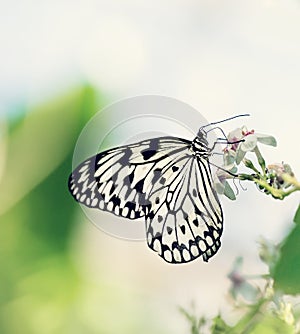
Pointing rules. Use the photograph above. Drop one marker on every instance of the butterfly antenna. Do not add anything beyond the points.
(225, 120)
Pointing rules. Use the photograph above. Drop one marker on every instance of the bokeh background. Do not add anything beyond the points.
(61, 62)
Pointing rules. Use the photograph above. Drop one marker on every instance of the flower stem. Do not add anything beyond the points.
(276, 193)
(260, 160)
(248, 163)
(291, 180)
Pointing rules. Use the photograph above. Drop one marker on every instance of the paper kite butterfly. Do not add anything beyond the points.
(166, 180)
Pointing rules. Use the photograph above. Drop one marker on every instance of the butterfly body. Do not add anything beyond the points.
(165, 180)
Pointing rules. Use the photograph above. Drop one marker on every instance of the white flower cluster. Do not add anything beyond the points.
(241, 141)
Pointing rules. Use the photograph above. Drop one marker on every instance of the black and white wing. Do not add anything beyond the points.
(188, 221)
(163, 180)
(118, 180)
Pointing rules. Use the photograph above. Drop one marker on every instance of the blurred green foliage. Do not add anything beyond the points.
(42, 290)
(38, 279)
(287, 270)
(267, 310)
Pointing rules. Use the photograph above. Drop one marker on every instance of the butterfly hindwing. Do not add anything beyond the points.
(189, 223)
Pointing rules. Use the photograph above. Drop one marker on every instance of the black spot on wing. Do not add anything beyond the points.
(146, 208)
(162, 180)
(147, 154)
(152, 150)
(157, 174)
(115, 200)
(197, 211)
(130, 177)
(151, 215)
(139, 186)
(130, 206)
(112, 189)
(195, 222)
(175, 245)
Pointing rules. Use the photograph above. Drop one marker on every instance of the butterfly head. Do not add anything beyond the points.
(202, 137)
(200, 144)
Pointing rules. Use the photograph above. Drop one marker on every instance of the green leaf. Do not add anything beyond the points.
(271, 325)
(219, 326)
(297, 216)
(287, 269)
(228, 192)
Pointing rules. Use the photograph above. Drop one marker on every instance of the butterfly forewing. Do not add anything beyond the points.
(164, 180)
(119, 179)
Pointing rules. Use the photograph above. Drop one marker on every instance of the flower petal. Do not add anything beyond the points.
(219, 187)
(234, 135)
(249, 144)
(266, 139)
(240, 156)
(228, 192)
(229, 160)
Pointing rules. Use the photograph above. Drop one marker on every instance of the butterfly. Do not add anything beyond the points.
(165, 180)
